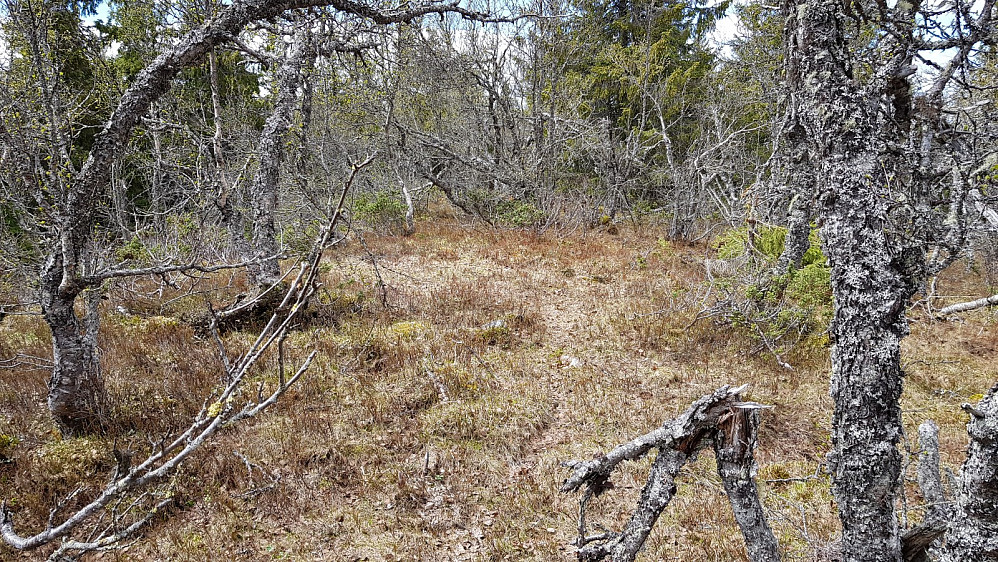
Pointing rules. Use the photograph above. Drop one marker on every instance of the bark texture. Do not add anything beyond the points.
(870, 277)
(917, 541)
(968, 306)
(800, 183)
(263, 189)
(655, 496)
(973, 533)
(734, 445)
(76, 387)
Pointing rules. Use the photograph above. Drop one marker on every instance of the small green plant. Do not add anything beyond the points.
(766, 240)
(133, 250)
(299, 237)
(184, 224)
(379, 210)
(789, 308)
(518, 213)
(7, 444)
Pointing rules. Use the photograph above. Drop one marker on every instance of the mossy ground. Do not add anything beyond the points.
(434, 421)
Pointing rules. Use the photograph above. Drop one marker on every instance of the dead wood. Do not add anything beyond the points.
(968, 306)
(720, 418)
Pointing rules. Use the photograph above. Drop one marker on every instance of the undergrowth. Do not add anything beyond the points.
(434, 421)
(787, 312)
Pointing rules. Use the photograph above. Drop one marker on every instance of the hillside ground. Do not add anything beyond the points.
(458, 368)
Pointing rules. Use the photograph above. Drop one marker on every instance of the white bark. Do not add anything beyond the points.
(968, 306)
(918, 540)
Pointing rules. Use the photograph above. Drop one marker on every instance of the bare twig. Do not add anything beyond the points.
(218, 412)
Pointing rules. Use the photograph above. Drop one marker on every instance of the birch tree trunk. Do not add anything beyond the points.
(869, 276)
(76, 387)
(263, 190)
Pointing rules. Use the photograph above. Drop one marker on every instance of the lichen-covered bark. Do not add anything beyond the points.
(973, 533)
(76, 387)
(655, 496)
(799, 177)
(798, 239)
(720, 417)
(263, 189)
(871, 274)
(866, 331)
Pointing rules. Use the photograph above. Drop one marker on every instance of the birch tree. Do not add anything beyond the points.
(875, 162)
(75, 186)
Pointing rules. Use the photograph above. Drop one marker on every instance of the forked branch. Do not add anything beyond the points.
(721, 418)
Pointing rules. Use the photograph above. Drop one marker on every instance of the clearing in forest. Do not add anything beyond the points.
(458, 368)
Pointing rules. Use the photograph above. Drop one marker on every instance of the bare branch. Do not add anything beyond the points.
(968, 306)
(721, 417)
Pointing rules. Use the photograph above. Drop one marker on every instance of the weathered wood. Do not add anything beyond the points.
(916, 541)
(734, 444)
(968, 306)
(719, 417)
(76, 388)
(973, 533)
(655, 496)
(699, 419)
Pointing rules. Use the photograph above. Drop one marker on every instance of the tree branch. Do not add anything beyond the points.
(721, 417)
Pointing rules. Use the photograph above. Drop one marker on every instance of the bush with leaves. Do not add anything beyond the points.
(782, 310)
(380, 210)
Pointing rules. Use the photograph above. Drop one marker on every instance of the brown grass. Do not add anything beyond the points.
(546, 347)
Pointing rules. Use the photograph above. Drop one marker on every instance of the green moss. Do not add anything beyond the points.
(409, 330)
(70, 460)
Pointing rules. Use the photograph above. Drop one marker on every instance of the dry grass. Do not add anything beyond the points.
(452, 381)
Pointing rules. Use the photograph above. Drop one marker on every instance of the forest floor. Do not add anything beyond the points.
(445, 397)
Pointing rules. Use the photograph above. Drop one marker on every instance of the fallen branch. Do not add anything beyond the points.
(219, 411)
(968, 306)
(734, 444)
(720, 418)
